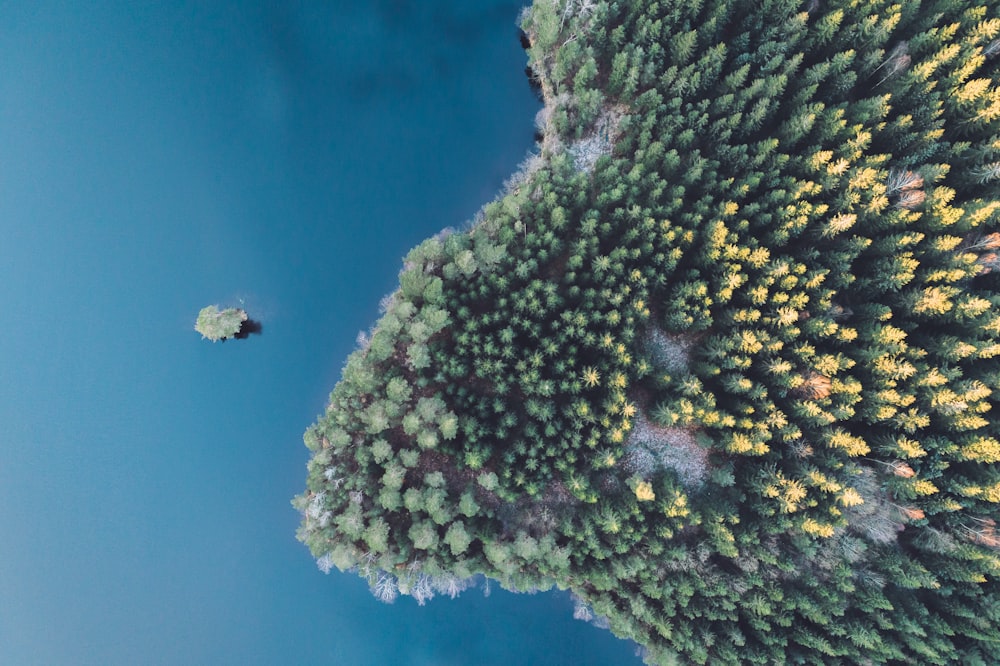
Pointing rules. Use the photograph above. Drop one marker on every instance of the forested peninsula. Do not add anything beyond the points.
(722, 358)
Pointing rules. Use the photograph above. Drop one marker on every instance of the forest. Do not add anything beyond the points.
(721, 359)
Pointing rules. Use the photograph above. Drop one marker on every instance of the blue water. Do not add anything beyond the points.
(154, 160)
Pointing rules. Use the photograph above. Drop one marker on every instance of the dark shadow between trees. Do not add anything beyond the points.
(533, 80)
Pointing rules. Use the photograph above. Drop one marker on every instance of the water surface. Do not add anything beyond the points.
(154, 160)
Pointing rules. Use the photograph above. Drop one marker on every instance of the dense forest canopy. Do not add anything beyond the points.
(722, 359)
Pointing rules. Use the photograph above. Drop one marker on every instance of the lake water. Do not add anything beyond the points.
(154, 160)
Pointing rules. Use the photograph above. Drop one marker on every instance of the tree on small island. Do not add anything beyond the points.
(215, 324)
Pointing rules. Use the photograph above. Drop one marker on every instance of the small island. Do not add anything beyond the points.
(722, 360)
(220, 324)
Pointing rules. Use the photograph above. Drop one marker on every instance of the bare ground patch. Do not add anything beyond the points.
(669, 352)
(599, 141)
(651, 447)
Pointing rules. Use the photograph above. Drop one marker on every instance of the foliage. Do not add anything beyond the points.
(215, 324)
(729, 378)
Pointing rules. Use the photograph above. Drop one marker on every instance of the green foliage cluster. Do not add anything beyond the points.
(729, 379)
(215, 324)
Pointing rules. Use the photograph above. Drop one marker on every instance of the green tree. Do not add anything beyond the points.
(215, 324)
(457, 538)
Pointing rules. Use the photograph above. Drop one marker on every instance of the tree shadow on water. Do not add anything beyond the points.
(248, 328)
(533, 80)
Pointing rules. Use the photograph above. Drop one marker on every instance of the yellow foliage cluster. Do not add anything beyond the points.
(851, 444)
(982, 449)
(676, 506)
(815, 528)
(644, 492)
(850, 497)
(990, 493)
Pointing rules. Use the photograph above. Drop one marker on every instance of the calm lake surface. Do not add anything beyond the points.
(154, 160)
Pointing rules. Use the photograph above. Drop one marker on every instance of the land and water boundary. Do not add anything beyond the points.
(721, 358)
